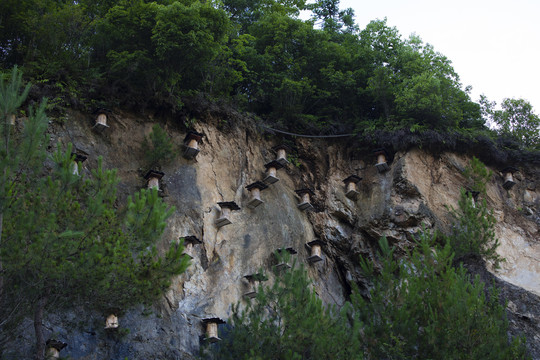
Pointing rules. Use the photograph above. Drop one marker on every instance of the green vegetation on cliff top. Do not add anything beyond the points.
(257, 55)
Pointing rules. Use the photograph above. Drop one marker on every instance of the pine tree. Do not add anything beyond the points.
(287, 320)
(63, 241)
(473, 230)
(473, 223)
(20, 156)
(418, 307)
(422, 307)
(158, 148)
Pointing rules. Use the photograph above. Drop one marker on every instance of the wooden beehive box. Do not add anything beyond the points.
(251, 283)
(11, 119)
(305, 201)
(211, 329)
(281, 154)
(255, 193)
(315, 249)
(191, 144)
(474, 196)
(189, 242)
(350, 186)
(285, 263)
(101, 119)
(111, 322)
(78, 158)
(508, 173)
(225, 214)
(271, 172)
(382, 160)
(53, 348)
(152, 177)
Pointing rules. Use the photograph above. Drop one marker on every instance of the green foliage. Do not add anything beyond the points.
(516, 119)
(473, 223)
(63, 242)
(21, 157)
(158, 50)
(246, 12)
(423, 308)
(50, 40)
(412, 83)
(418, 307)
(293, 159)
(473, 230)
(332, 18)
(158, 148)
(12, 94)
(321, 75)
(287, 320)
(132, 52)
(477, 175)
(259, 276)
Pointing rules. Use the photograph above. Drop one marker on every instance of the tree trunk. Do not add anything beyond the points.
(38, 328)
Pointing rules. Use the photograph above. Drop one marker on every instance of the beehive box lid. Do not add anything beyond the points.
(190, 152)
(281, 146)
(353, 178)
(79, 157)
(315, 242)
(381, 151)
(509, 169)
(275, 164)
(314, 258)
(193, 135)
(57, 344)
(213, 320)
(270, 179)
(113, 310)
(257, 185)
(229, 204)
(290, 250)
(101, 110)
(473, 193)
(154, 173)
(256, 277)
(304, 191)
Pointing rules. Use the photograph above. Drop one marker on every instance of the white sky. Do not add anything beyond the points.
(494, 45)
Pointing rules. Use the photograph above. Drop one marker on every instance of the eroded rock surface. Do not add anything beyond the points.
(412, 195)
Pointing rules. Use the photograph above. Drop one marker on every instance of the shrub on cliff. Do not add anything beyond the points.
(158, 148)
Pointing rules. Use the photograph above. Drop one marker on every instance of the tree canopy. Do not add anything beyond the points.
(515, 119)
(323, 74)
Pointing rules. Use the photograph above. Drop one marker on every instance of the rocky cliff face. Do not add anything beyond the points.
(412, 194)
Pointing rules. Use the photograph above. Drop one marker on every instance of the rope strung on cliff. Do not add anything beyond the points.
(308, 136)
